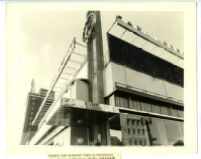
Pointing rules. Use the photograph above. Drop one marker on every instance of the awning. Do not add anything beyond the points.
(74, 112)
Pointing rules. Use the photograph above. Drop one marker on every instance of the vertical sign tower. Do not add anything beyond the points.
(92, 35)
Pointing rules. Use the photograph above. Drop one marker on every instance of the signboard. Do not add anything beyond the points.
(88, 105)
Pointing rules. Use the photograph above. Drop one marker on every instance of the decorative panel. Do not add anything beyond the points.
(134, 130)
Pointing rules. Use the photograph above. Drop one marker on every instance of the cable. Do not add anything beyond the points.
(112, 26)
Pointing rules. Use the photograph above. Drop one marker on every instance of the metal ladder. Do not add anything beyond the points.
(72, 63)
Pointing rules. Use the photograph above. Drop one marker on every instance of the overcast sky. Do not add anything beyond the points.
(44, 37)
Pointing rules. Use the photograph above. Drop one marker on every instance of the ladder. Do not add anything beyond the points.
(71, 64)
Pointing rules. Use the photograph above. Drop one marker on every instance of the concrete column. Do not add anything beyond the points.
(95, 62)
(95, 73)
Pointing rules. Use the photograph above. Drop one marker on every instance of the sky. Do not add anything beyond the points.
(44, 37)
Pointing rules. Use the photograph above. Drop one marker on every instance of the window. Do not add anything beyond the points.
(164, 110)
(138, 131)
(175, 112)
(134, 104)
(133, 131)
(133, 122)
(143, 131)
(128, 121)
(146, 107)
(156, 108)
(181, 113)
(140, 142)
(129, 131)
(140, 103)
(169, 112)
(121, 101)
(145, 142)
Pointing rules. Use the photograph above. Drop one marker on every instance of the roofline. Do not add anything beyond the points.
(138, 32)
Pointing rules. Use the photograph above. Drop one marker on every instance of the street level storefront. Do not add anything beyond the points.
(75, 120)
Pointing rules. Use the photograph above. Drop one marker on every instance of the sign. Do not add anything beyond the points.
(88, 105)
(89, 31)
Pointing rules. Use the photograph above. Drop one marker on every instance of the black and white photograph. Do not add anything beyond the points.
(99, 77)
(131, 94)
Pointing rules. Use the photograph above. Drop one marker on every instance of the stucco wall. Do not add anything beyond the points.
(115, 73)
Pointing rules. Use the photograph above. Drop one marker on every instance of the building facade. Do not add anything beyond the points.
(33, 103)
(129, 95)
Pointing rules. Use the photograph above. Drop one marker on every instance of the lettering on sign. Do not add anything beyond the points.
(93, 106)
(88, 105)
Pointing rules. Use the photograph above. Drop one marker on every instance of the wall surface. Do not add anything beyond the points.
(135, 57)
(115, 73)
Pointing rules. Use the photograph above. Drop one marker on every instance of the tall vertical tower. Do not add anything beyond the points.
(92, 35)
(33, 89)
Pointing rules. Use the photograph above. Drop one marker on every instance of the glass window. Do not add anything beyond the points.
(164, 110)
(140, 103)
(121, 101)
(145, 142)
(138, 131)
(146, 107)
(143, 106)
(129, 131)
(181, 113)
(169, 112)
(117, 103)
(175, 112)
(140, 143)
(133, 121)
(128, 121)
(143, 131)
(130, 141)
(137, 105)
(156, 108)
(133, 131)
(125, 103)
(132, 104)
